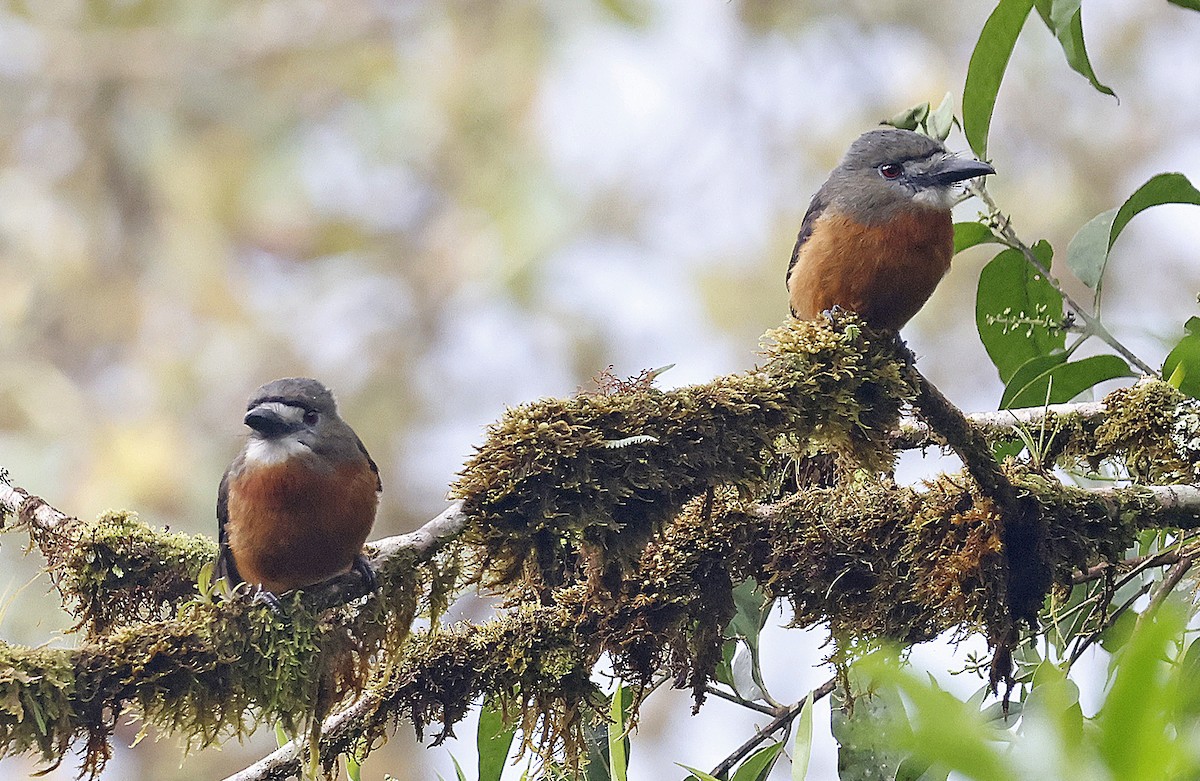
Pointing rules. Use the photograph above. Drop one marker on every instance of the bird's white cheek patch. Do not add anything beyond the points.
(273, 451)
(939, 197)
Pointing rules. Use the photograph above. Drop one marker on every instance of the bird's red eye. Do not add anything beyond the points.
(890, 170)
(310, 417)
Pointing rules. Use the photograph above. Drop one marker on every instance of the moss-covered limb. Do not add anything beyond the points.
(533, 657)
(870, 559)
(604, 472)
(199, 674)
(1022, 529)
(1152, 430)
(117, 570)
(114, 569)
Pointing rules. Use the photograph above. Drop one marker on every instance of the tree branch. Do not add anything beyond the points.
(779, 722)
(914, 434)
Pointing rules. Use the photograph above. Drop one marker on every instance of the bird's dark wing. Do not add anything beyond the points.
(815, 208)
(225, 567)
(371, 461)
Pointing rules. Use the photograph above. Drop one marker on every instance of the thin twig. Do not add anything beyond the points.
(779, 722)
(1085, 641)
(1168, 584)
(734, 698)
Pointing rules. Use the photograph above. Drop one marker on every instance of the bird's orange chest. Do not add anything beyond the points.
(291, 526)
(884, 272)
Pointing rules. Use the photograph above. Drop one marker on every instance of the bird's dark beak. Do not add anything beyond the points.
(956, 169)
(266, 421)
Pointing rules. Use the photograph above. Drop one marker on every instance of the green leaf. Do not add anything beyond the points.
(1182, 365)
(1134, 733)
(758, 765)
(802, 745)
(1087, 254)
(1065, 20)
(1014, 310)
(1193, 5)
(618, 738)
(940, 121)
(968, 234)
(493, 739)
(1064, 382)
(866, 730)
(986, 69)
(458, 771)
(698, 774)
(910, 119)
(1027, 373)
(1188, 702)
(753, 608)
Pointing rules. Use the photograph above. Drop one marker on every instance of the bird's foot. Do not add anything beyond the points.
(363, 567)
(833, 315)
(268, 598)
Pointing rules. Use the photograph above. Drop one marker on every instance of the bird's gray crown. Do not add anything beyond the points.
(297, 392)
(890, 145)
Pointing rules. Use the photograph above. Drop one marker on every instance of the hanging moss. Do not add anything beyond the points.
(602, 473)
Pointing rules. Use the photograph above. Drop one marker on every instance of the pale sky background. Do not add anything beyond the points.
(443, 209)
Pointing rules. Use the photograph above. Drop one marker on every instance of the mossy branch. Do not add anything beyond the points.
(630, 551)
(869, 561)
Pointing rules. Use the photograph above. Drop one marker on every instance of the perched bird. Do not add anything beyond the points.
(296, 505)
(877, 237)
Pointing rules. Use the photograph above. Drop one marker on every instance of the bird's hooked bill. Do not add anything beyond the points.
(950, 170)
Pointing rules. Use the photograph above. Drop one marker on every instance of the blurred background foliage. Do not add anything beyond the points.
(443, 207)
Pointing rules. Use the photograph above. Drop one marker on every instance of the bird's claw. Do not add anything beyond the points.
(363, 567)
(268, 598)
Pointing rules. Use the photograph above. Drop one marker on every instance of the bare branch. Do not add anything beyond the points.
(779, 722)
(915, 434)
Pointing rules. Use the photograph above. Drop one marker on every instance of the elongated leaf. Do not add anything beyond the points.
(1017, 309)
(986, 69)
(969, 234)
(1191, 4)
(867, 731)
(493, 739)
(758, 765)
(1087, 254)
(618, 739)
(1066, 381)
(802, 745)
(1182, 366)
(1065, 20)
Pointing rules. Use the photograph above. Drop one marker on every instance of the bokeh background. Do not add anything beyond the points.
(443, 208)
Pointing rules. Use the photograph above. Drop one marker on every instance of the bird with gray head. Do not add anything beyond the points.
(878, 236)
(296, 505)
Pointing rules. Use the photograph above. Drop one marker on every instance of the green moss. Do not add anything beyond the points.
(36, 714)
(118, 570)
(601, 474)
(1153, 430)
